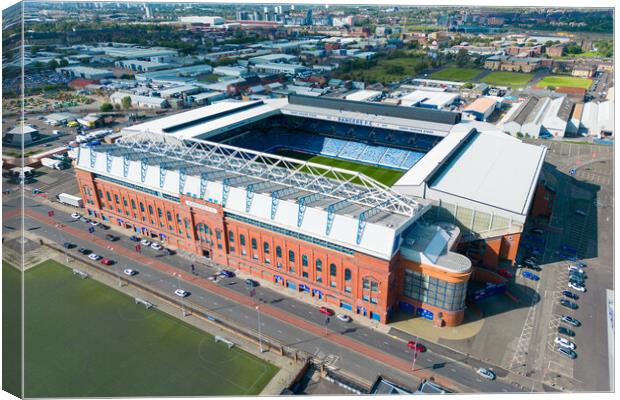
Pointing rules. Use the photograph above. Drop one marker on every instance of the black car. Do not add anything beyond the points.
(84, 250)
(533, 267)
(227, 274)
(569, 304)
(68, 245)
(251, 282)
(565, 331)
(577, 281)
(112, 238)
(168, 252)
(570, 295)
(570, 320)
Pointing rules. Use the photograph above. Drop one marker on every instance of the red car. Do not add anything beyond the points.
(418, 347)
(106, 261)
(505, 273)
(326, 311)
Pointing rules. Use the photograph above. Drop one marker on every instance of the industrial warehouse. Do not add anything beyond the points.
(210, 181)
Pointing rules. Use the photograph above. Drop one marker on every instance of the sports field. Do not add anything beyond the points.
(85, 339)
(512, 79)
(11, 330)
(567, 81)
(456, 74)
(384, 175)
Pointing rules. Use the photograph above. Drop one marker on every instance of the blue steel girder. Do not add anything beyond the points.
(249, 192)
(125, 165)
(182, 179)
(301, 205)
(332, 208)
(162, 175)
(275, 198)
(204, 178)
(108, 162)
(79, 154)
(225, 191)
(363, 217)
(93, 158)
(143, 168)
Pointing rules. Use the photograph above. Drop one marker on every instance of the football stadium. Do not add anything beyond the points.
(369, 207)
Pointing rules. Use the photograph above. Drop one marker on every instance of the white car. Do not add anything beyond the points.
(343, 317)
(560, 341)
(75, 215)
(129, 272)
(181, 293)
(574, 268)
(94, 257)
(94, 223)
(578, 288)
(156, 246)
(485, 373)
(145, 242)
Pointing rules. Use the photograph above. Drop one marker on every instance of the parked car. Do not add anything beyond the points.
(570, 295)
(84, 250)
(505, 273)
(563, 342)
(226, 273)
(577, 280)
(575, 269)
(145, 242)
(569, 304)
(168, 252)
(75, 215)
(84, 219)
(343, 317)
(129, 272)
(529, 275)
(485, 373)
(68, 245)
(181, 293)
(567, 352)
(106, 261)
(94, 257)
(570, 320)
(156, 246)
(417, 346)
(581, 264)
(576, 287)
(533, 267)
(565, 331)
(134, 239)
(326, 311)
(251, 282)
(112, 238)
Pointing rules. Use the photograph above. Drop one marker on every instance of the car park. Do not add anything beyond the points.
(106, 261)
(529, 275)
(156, 246)
(576, 287)
(84, 250)
(129, 272)
(563, 342)
(570, 320)
(226, 273)
(327, 311)
(145, 242)
(112, 238)
(417, 346)
(569, 304)
(565, 331)
(181, 293)
(68, 245)
(343, 317)
(75, 215)
(94, 257)
(485, 373)
(567, 352)
(570, 295)
(251, 282)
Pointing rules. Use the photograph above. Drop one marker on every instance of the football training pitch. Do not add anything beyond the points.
(85, 339)
(565, 81)
(512, 79)
(456, 74)
(383, 175)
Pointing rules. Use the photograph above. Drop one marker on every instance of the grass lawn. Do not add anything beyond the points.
(85, 339)
(384, 175)
(456, 74)
(513, 79)
(568, 81)
(11, 330)
(381, 72)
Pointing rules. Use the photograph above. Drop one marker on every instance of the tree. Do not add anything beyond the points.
(126, 102)
(395, 69)
(106, 107)
(52, 64)
(462, 58)
(63, 62)
(468, 85)
(117, 106)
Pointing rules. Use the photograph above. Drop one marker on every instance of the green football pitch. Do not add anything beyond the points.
(456, 74)
(383, 175)
(85, 339)
(512, 79)
(566, 81)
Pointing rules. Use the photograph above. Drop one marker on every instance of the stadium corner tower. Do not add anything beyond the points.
(210, 181)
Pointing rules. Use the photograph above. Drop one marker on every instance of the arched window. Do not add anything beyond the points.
(266, 248)
(242, 240)
(150, 210)
(332, 269)
(278, 251)
(304, 260)
(291, 256)
(141, 207)
(231, 237)
(319, 265)
(169, 215)
(347, 274)
(133, 204)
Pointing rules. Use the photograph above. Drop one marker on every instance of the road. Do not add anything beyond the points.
(357, 349)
